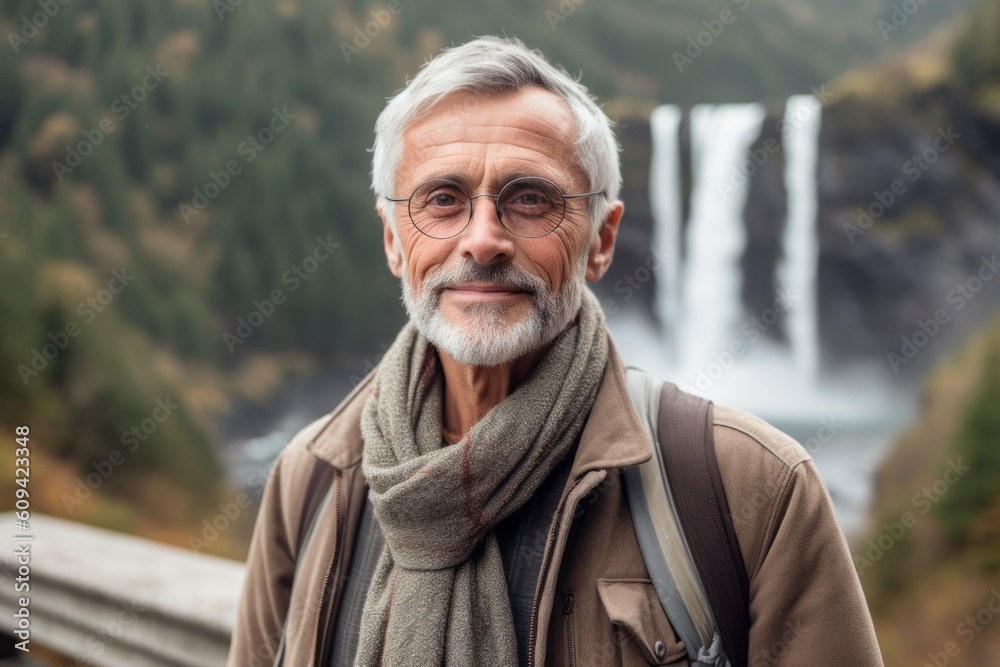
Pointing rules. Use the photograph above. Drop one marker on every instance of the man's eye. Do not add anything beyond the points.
(443, 200)
(529, 202)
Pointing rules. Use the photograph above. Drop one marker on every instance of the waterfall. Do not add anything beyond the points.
(711, 282)
(699, 303)
(699, 299)
(800, 252)
(665, 198)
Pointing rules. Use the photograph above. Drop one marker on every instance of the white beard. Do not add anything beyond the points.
(487, 339)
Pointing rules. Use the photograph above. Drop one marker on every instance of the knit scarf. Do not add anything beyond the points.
(439, 595)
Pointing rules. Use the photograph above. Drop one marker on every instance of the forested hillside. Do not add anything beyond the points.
(976, 55)
(184, 203)
(932, 557)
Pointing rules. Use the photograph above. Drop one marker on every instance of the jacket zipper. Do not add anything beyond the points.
(533, 627)
(317, 651)
(570, 630)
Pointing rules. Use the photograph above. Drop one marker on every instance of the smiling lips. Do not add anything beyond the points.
(484, 292)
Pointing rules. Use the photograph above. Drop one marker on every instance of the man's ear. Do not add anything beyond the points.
(603, 246)
(393, 248)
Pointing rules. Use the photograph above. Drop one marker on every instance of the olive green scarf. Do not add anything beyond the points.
(439, 596)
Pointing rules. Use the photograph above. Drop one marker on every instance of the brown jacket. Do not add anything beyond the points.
(596, 604)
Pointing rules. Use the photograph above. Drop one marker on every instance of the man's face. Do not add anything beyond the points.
(486, 296)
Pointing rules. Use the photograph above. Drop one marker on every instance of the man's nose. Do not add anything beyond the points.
(485, 240)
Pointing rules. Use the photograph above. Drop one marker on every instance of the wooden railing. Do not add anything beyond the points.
(112, 600)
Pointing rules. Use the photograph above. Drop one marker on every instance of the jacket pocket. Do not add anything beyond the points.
(645, 636)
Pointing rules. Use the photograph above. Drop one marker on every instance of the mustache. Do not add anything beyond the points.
(506, 275)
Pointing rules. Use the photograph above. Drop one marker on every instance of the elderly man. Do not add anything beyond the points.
(464, 505)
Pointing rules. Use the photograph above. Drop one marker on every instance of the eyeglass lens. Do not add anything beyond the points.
(527, 206)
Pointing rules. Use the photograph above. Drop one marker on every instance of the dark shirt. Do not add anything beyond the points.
(521, 536)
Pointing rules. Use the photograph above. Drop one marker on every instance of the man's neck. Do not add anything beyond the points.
(472, 391)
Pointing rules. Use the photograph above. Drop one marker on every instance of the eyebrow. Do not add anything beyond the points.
(494, 184)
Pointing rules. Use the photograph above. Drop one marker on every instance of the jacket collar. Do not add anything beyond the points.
(613, 436)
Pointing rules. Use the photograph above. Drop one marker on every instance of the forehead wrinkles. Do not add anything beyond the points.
(423, 142)
(517, 137)
(471, 157)
(559, 124)
(443, 144)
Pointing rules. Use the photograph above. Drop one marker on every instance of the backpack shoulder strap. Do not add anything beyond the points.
(658, 529)
(688, 448)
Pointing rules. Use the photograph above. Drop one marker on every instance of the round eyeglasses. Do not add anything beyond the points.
(528, 207)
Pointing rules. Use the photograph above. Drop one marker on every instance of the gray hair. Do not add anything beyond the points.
(492, 65)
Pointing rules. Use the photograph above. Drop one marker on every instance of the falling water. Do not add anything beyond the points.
(699, 301)
(665, 197)
(711, 279)
(800, 251)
